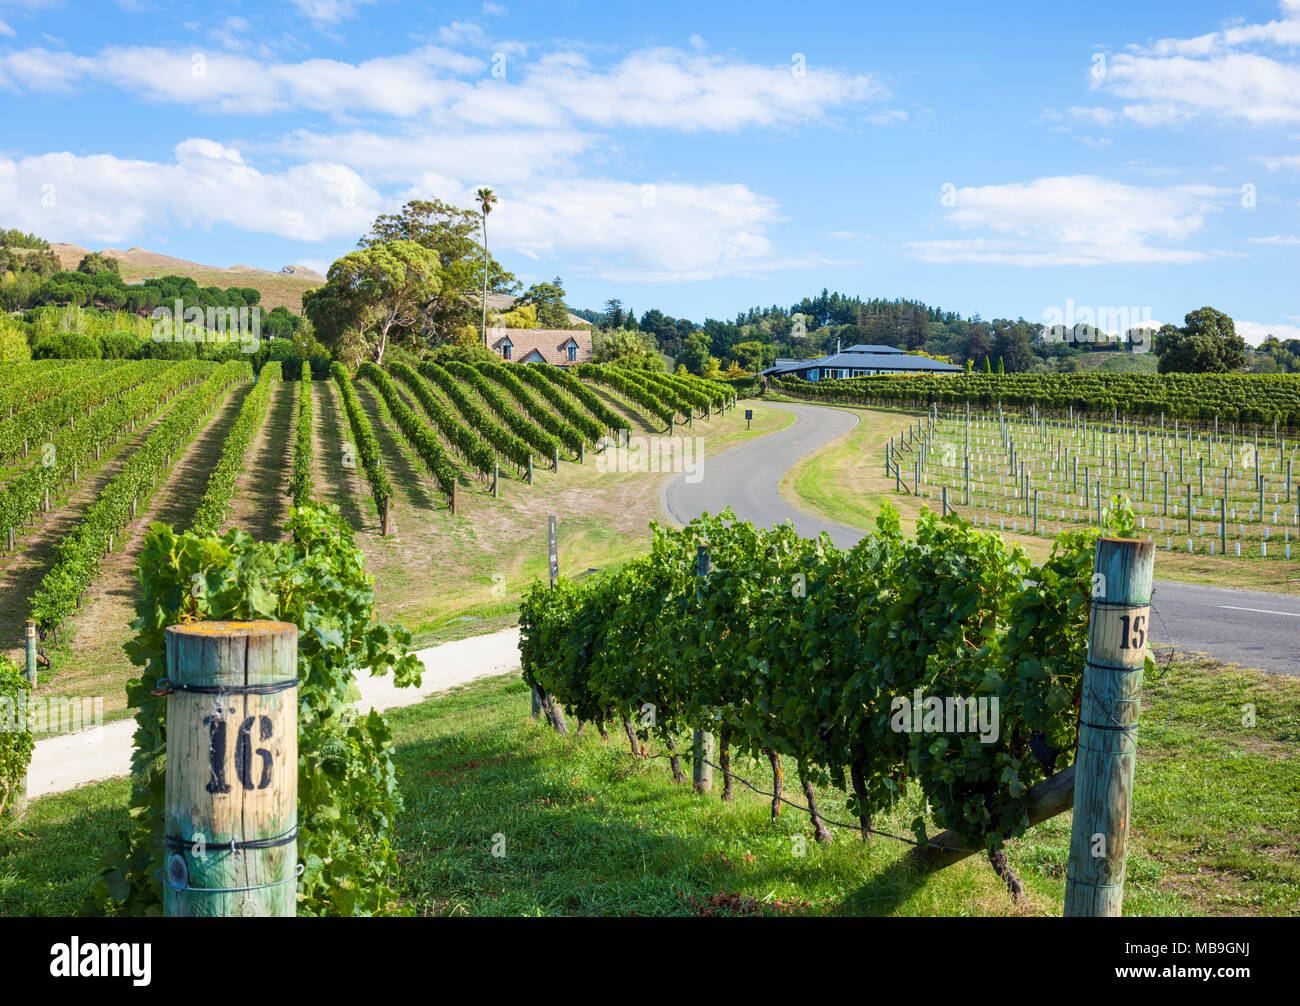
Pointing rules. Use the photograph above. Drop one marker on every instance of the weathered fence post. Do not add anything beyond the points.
(453, 497)
(702, 740)
(384, 515)
(542, 702)
(1108, 719)
(496, 478)
(231, 827)
(31, 651)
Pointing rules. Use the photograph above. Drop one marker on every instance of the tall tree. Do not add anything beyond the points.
(1207, 343)
(486, 199)
(453, 235)
(548, 298)
(373, 296)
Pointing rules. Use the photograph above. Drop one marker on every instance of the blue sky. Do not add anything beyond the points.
(699, 158)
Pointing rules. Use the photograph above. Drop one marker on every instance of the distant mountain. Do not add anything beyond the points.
(279, 289)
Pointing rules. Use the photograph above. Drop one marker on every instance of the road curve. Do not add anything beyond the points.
(1249, 627)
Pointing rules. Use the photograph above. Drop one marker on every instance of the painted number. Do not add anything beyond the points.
(244, 753)
(1134, 635)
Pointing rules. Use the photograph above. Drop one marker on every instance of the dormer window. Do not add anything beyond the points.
(506, 347)
(572, 347)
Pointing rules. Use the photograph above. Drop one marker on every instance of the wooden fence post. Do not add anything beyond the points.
(384, 516)
(702, 740)
(232, 769)
(31, 652)
(1108, 719)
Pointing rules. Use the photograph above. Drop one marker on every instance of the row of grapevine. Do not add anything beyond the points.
(1241, 398)
(300, 480)
(78, 556)
(563, 431)
(684, 390)
(521, 425)
(82, 387)
(563, 403)
(509, 446)
(211, 511)
(718, 394)
(417, 433)
(607, 417)
(616, 379)
(668, 395)
(364, 435)
(463, 439)
(790, 646)
(73, 449)
(29, 383)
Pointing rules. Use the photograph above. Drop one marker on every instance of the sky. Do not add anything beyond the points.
(1023, 160)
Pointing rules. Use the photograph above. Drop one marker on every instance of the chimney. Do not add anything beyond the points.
(837, 347)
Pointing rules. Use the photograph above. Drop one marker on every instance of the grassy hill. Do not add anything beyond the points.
(278, 289)
(1118, 363)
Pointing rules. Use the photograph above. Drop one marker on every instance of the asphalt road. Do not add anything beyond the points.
(1248, 627)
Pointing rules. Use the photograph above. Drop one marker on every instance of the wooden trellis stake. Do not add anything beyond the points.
(232, 770)
(1108, 720)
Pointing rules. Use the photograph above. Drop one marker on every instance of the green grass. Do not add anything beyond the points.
(1118, 363)
(586, 829)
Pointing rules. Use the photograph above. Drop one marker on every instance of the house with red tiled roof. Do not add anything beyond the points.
(560, 347)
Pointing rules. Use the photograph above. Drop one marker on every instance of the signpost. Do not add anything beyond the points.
(749, 414)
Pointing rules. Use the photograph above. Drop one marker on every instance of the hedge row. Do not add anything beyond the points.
(78, 556)
(509, 446)
(211, 511)
(300, 480)
(417, 432)
(607, 417)
(521, 425)
(562, 430)
(72, 448)
(364, 435)
(463, 439)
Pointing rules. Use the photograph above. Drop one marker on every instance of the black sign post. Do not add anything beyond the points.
(749, 414)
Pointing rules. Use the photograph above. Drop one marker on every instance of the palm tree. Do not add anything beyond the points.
(486, 199)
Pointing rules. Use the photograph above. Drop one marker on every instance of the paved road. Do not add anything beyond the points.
(70, 760)
(1249, 627)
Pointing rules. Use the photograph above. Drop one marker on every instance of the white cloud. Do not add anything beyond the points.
(329, 11)
(651, 233)
(661, 88)
(535, 136)
(102, 198)
(1096, 116)
(499, 156)
(1172, 81)
(1276, 239)
(1254, 332)
(1274, 163)
(1073, 220)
